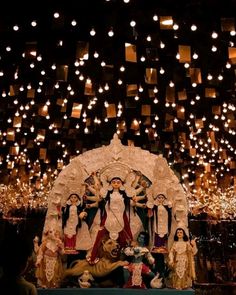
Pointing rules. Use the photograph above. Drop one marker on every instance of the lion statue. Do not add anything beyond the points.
(109, 261)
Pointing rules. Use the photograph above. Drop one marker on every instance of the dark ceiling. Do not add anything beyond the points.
(41, 83)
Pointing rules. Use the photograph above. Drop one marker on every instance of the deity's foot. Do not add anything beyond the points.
(71, 251)
(162, 250)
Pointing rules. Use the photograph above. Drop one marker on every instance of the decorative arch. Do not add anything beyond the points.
(126, 162)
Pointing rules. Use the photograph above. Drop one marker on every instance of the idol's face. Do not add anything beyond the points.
(180, 234)
(141, 240)
(116, 183)
(161, 199)
(73, 199)
(51, 233)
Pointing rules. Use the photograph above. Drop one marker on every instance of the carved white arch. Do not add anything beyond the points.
(154, 167)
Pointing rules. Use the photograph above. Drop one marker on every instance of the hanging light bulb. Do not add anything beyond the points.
(155, 18)
(142, 58)
(132, 23)
(162, 71)
(16, 28)
(92, 32)
(175, 27)
(56, 15)
(33, 23)
(214, 35)
(193, 27)
(111, 32)
(195, 55)
(73, 23)
(96, 55)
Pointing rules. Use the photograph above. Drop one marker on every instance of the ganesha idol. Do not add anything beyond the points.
(111, 191)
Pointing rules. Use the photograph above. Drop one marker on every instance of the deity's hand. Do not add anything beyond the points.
(36, 239)
(144, 184)
(133, 243)
(193, 242)
(171, 263)
(59, 243)
(124, 263)
(169, 204)
(82, 215)
(37, 264)
(134, 198)
(100, 198)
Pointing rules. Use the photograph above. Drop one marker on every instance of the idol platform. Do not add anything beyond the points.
(114, 291)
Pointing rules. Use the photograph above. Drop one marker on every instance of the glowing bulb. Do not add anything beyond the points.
(110, 33)
(162, 71)
(155, 18)
(76, 63)
(33, 23)
(171, 84)
(209, 77)
(175, 27)
(213, 48)
(162, 45)
(56, 15)
(16, 28)
(195, 56)
(214, 35)
(73, 23)
(132, 23)
(92, 32)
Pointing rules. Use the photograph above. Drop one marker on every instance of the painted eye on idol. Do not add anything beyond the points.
(116, 182)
